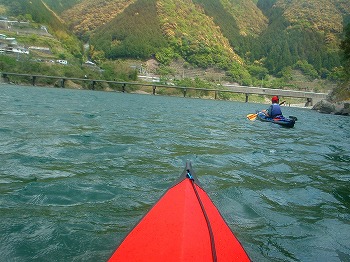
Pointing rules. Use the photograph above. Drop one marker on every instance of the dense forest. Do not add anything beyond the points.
(250, 40)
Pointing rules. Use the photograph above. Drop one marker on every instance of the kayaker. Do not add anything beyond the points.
(274, 110)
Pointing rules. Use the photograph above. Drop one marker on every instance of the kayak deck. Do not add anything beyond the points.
(184, 225)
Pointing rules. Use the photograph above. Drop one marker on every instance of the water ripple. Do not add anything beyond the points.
(80, 168)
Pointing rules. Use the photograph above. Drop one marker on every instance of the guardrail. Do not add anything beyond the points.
(311, 97)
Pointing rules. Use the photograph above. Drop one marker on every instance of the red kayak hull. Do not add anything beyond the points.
(184, 225)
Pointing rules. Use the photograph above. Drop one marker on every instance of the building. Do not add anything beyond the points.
(62, 62)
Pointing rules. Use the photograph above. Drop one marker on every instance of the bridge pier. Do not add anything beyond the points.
(33, 80)
(63, 81)
(6, 78)
(309, 102)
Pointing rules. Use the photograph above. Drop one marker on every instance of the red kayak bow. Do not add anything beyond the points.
(184, 225)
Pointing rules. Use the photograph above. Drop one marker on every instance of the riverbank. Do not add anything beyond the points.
(337, 102)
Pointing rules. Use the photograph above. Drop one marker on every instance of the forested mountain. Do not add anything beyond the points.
(62, 5)
(302, 30)
(88, 15)
(247, 38)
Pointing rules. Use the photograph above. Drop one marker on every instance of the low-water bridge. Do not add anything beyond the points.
(310, 97)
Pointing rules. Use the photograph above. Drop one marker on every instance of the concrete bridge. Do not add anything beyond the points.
(310, 97)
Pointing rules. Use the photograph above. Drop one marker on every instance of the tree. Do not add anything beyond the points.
(258, 71)
(342, 91)
(345, 46)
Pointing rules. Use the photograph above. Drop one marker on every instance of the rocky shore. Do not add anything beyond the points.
(336, 108)
(337, 102)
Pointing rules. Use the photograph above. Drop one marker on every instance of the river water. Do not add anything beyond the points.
(79, 168)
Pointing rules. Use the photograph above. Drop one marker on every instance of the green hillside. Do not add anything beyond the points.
(302, 31)
(38, 12)
(59, 6)
(194, 36)
(272, 34)
(135, 33)
(88, 15)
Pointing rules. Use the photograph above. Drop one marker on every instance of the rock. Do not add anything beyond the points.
(324, 107)
(327, 107)
(346, 109)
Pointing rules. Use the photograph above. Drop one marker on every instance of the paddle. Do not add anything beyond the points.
(252, 117)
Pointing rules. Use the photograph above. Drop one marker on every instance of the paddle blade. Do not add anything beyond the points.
(252, 117)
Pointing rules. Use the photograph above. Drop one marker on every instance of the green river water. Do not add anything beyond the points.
(79, 168)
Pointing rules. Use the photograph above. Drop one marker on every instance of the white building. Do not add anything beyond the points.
(62, 62)
(20, 50)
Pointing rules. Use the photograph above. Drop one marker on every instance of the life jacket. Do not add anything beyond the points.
(275, 110)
